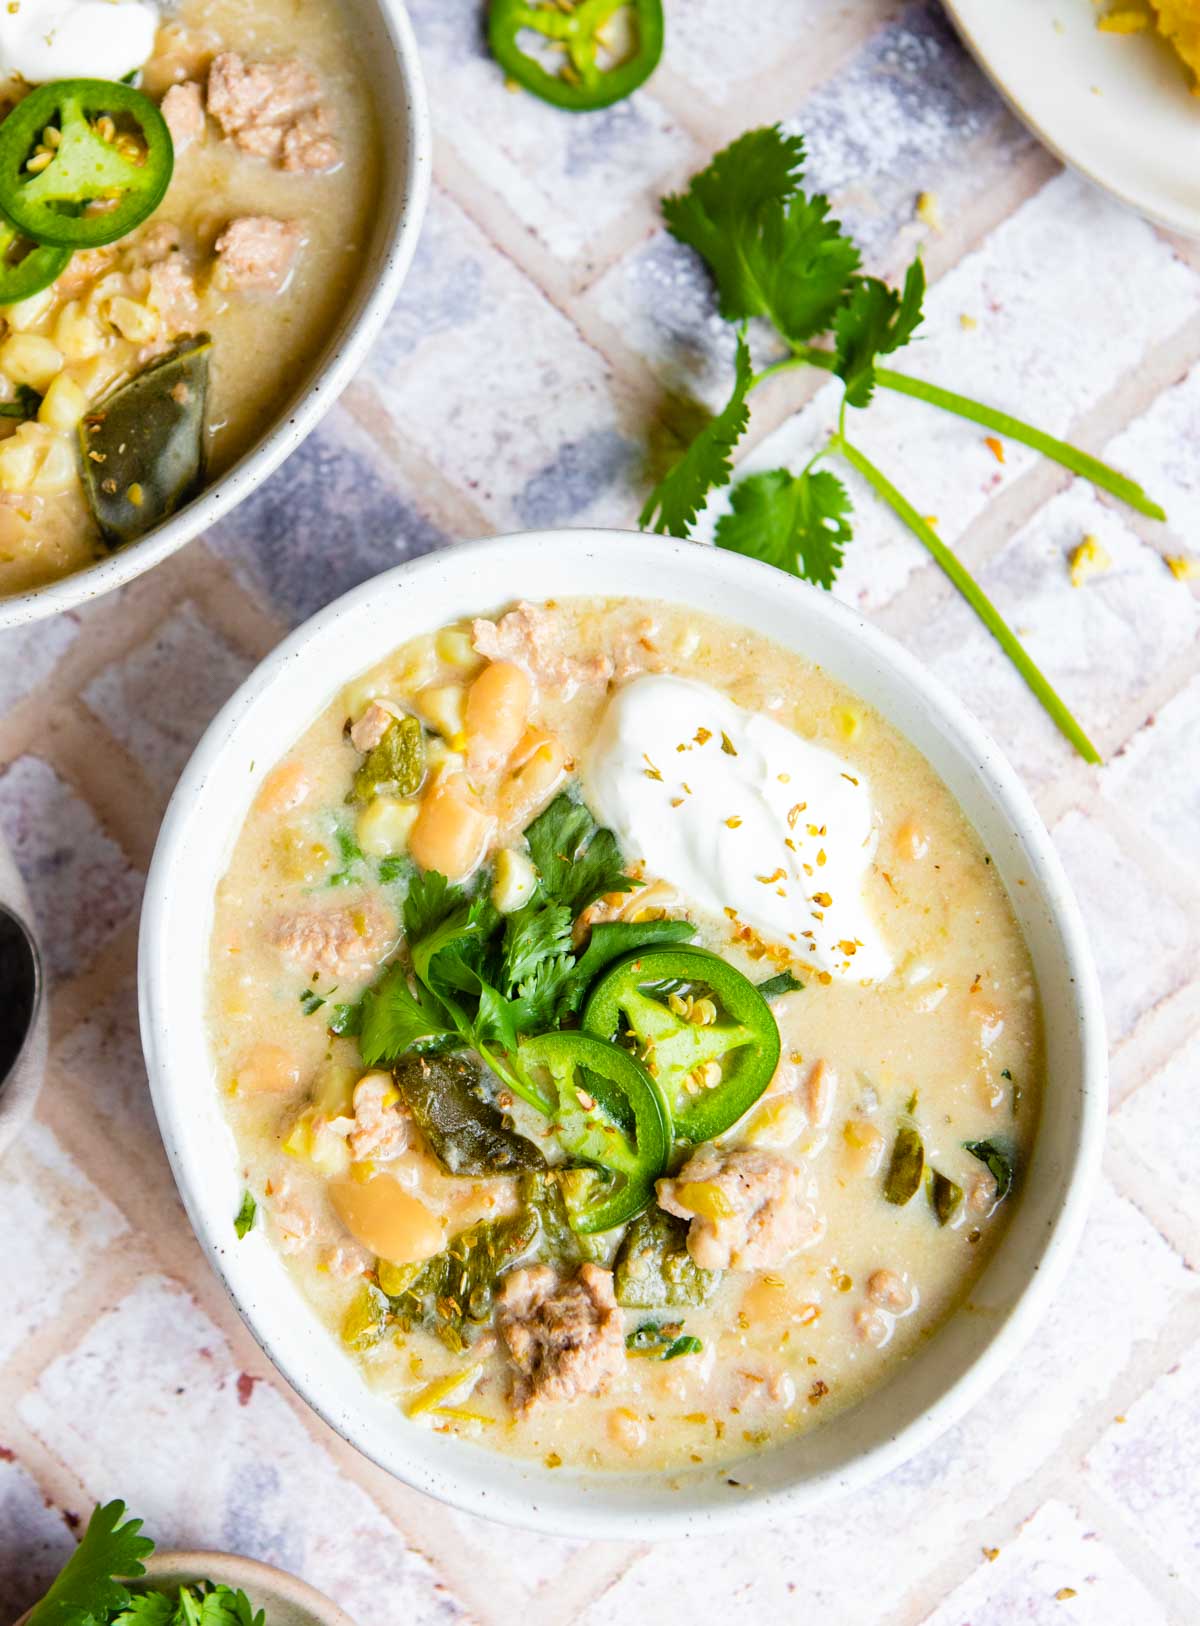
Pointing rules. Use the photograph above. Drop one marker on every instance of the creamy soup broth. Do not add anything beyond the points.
(949, 1041)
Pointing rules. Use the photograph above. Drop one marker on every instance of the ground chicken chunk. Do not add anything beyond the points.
(183, 109)
(257, 251)
(294, 1221)
(534, 638)
(173, 294)
(370, 728)
(272, 110)
(380, 1129)
(564, 1338)
(758, 1208)
(347, 942)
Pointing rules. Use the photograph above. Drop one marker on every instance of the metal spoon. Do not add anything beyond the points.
(20, 990)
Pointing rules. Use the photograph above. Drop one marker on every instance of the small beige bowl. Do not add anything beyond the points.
(286, 1600)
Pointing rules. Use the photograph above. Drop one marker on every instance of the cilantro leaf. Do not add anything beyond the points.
(394, 1018)
(873, 322)
(798, 522)
(706, 464)
(537, 956)
(577, 861)
(430, 899)
(148, 1609)
(773, 251)
(85, 1589)
(783, 983)
(607, 943)
(243, 1222)
(222, 1606)
(721, 207)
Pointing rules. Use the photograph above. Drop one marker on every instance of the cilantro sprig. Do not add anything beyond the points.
(482, 981)
(90, 1588)
(775, 253)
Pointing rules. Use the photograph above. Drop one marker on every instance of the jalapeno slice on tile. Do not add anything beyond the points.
(83, 161)
(579, 30)
(702, 1030)
(27, 267)
(611, 1116)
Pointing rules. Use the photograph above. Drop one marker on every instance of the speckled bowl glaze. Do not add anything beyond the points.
(388, 53)
(276, 704)
(286, 1600)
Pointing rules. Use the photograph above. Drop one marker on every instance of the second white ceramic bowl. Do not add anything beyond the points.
(392, 70)
(257, 727)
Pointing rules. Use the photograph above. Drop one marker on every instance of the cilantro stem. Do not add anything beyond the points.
(1059, 451)
(516, 1081)
(1082, 463)
(975, 597)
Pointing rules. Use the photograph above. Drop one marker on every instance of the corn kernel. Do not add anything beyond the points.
(76, 333)
(27, 358)
(63, 404)
(131, 320)
(849, 722)
(455, 648)
(383, 827)
(26, 312)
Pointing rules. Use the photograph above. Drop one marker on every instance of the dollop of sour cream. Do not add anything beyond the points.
(42, 40)
(741, 814)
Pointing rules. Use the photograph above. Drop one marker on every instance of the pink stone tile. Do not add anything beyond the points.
(35, 1541)
(1161, 1122)
(103, 1055)
(154, 1386)
(718, 61)
(1155, 778)
(1147, 1466)
(569, 180)
(1143, 935)
(1058, 1572)
(82, 885)
(1159, 449)
(560, 449)
(814, 1567)
(160, 697)
(1101, 644)
(28, 655)
(56, 1228)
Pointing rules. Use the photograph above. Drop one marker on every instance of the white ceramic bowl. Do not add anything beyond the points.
(388, 56)
(277, 703)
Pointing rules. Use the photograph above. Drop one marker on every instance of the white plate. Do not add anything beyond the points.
(1116, 107)
(276, 704)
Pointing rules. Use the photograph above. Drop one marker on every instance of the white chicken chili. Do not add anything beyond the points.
(593, 1134)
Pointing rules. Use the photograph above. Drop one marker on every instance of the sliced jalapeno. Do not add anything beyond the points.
(81, 142)
(690, 1011)
(577, 29)
(27, 267)
(610, 1115)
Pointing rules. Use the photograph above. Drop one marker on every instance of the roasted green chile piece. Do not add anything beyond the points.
(452, 1294)
(394, 767)
(907, 1166)
(945, 1196)
(467, 1134)
(143, 444)
(743, 1037)
(653, 1269)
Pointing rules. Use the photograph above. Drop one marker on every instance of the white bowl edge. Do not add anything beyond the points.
(403, 115)
(277, 703)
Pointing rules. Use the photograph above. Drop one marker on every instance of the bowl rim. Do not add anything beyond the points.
(404, 204)
(1004, 789)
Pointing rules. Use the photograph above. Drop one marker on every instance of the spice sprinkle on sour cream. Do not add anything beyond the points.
(741, 815)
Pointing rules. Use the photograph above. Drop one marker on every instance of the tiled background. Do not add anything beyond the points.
(549, 336)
